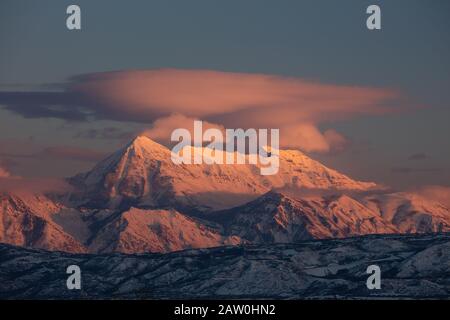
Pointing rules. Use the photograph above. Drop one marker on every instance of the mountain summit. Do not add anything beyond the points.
(142, 173)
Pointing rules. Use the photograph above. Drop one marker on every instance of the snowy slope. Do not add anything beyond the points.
(277, 218)
(410, 213)
(138, 230)
(143, 174)
(138, 200)
(26, 220)
(412, 267)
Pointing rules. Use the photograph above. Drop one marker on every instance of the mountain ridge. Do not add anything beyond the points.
(414, 266)
(137, 200)
(143, 173)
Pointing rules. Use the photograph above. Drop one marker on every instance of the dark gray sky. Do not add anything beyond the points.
(318, 40)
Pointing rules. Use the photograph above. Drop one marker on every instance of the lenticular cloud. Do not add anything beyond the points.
(204, 93)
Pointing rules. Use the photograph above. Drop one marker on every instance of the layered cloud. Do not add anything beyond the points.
(262, 100)
(234, 100)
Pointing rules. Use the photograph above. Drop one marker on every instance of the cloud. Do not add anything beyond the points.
(33, 185)
(59, 105)
(73, 153)
(418, 156)
(234, 100)
(4, 173)
(17, 184)
(162, 128)
(336, 141)
(436, 193)
(146, 95)
(408, 170)
(307, 137)
(15, 151)
(303, 136)
(8, 164)
(110, 133)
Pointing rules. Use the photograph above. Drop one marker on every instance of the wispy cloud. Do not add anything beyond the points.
(148, 94)
(202, 93)
(408, 170)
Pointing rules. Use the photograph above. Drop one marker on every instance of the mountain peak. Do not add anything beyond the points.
(142, 141)
(144, 147)
(143, 172)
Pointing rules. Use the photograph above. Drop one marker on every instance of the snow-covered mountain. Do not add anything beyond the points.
(36, 221)
(410, 212)
(276, 218)
(138, 230)
(138, 200)
(26, 220)
(143, 174)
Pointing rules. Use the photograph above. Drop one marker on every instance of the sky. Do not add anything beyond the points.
(372, 104)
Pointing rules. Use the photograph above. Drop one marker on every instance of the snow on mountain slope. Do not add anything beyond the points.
(413, 267)
(25, 220)
(143, 174)
(138, 230)
(138, 200)
(410, 213)
(277, 218)
(298, 170)
(36, 221)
